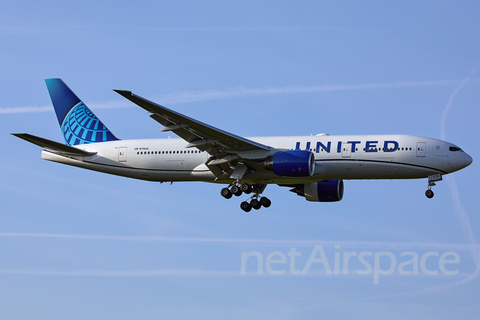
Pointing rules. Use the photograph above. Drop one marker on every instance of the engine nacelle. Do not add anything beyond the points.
(324, 191)
(292, 163)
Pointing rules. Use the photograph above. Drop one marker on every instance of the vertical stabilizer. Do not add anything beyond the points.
(78, 123)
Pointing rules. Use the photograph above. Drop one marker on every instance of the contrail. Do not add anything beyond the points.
(21, 30)
(180, 273)
(463, 216)
(240, 241)
(207, 95)
(18, 30)
(25, 109)
(450, 102)
(123, 273)
(459, 210)
(259, 28)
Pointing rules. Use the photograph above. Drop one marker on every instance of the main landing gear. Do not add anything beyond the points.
(256, 201)
(431, 182)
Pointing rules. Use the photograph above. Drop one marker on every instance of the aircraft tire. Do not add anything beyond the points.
(236, 191)
(226, 193)
(246, 188)
(264, 201)
(245, 206)
(429, 193)
(255, 204)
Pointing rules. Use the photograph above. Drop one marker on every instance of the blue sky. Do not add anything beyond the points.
(81, 244)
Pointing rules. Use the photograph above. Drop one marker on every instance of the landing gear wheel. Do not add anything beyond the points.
(264, 201)
(255, 204)
(429, 193)
(236, 191)
(245, 206)
(246, 188)
(226, 193)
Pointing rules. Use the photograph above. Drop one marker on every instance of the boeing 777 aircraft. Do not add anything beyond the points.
(313, 167)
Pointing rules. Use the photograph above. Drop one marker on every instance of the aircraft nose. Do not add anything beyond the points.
(468, 160)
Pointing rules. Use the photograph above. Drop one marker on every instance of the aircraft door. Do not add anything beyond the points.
(346, 150)
(122, 154)
(421, 149)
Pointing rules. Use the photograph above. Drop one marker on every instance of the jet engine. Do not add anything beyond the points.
(322, 191)
(292, 163)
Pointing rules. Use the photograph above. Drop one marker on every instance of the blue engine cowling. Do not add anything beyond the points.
(324, 191)
(292, 163)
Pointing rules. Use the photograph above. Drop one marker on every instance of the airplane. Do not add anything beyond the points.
(314, 167)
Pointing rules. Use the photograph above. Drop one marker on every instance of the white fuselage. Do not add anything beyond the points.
(336, 157)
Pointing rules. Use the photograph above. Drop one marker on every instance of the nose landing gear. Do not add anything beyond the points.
(431, 182)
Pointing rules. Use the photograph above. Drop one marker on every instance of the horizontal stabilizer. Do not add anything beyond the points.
(53, 146)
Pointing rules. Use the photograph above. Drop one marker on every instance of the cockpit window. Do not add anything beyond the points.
(455, 149)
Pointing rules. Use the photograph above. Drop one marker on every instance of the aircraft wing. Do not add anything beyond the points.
(196, 133)
(53, 146)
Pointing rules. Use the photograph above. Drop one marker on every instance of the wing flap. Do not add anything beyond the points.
(53, 145)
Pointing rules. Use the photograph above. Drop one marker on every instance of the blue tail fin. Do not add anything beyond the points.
(79, 125)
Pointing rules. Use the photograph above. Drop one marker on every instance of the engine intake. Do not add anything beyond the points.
(293, 163)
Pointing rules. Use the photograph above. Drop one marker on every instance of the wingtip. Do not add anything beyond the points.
(123, 92)
(16, 134)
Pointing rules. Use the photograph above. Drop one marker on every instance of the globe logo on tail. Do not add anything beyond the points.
(82, 126)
